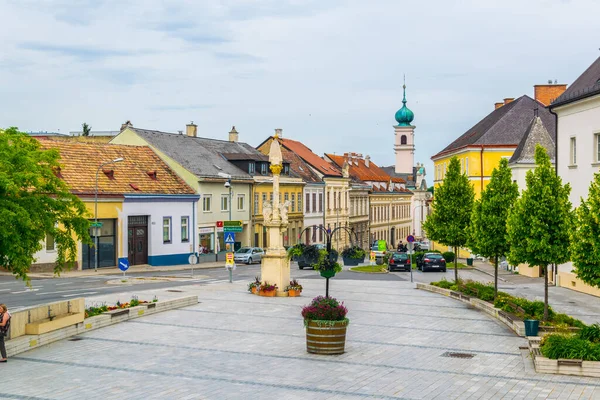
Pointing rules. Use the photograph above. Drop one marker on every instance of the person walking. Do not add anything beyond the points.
(4, 326)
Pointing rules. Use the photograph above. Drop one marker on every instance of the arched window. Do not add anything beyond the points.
(403, 139)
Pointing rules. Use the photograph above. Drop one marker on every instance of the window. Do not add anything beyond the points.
(263, 168)
(264, 197)
(299, 201)
(224, 202)
(166, 229)
(271, 197)
(573, 151)
(50, 246)
(256, 203)
(403, 139)
(340, 200)
(334, 201)
(597, 147)
(185, 229)
(314, 202)
(320, 202)
(307, 203)
(293, 202)
(328, 201)
(286, 169)
(251, 167)
(241, 202)
(467, 166)
(286, 197)
(206, 200)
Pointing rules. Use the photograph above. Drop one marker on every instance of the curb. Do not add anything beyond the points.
(489, 274)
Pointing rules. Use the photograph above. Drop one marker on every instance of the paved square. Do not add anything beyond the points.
(234, 345)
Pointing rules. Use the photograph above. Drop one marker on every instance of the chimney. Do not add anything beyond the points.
(508, 100)
(279, 132)
(233, 135)
(126, 125)
(367, 160)
(549, 92)
(498, 105)
(191, 129)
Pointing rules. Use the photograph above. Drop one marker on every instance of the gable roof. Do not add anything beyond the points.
(588, 84)
(536, 134)
(361, 172)
(299, 167)
(201, 156)
(505, 126)
(79, 162)
(324, 167)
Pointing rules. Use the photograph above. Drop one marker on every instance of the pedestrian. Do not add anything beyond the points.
(4, 326)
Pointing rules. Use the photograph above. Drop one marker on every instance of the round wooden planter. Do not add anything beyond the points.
(270, 293)
(294, 293)
(326, 339)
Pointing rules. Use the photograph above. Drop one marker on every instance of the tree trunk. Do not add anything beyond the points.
(545, 270)
(495, 277)
(456, 265)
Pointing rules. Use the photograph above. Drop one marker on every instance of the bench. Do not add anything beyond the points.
(463, 288)
(516, 308)
(570, 362)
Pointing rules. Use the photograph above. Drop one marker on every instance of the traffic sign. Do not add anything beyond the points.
(219, 224)
(410, 238)
(193, 259)
(232, 223)
(372, 256)
(96, 224)
(230, 237)
(232, 229)
(123, 264)
(229, 259)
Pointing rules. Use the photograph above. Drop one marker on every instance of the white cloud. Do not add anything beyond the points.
(328, 72)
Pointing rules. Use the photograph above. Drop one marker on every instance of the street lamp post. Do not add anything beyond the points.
(116, 160)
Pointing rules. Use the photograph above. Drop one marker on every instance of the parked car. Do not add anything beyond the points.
(431, 262)
(399, 261)
(248, 255)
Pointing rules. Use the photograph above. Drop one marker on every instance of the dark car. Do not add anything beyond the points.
(431, 262)
(399, 261)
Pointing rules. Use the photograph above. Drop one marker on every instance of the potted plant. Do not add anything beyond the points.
(327, 264)
(253, 286)
(325, 321)
(353, 256)
(267, 290)
(294, 288)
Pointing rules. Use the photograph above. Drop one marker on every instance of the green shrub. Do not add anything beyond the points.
(444, 284)
(591, 333)
(570, 347)
(564, 319)
(448, 256)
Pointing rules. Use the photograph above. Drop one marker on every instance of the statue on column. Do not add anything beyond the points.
(267, 212)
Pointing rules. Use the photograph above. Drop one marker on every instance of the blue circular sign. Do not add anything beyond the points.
(123, 264)
(410, 238)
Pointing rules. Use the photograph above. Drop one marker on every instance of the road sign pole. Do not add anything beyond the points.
(230, 275)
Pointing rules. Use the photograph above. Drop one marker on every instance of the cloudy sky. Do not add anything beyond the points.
(329, 72)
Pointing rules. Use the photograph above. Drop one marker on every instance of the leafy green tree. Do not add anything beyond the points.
(34, 203)
(539, 223)
(452, 207)
(490, 212)
(585, 237)
(86, 129)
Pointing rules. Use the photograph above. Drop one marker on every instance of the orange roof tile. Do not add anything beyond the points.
(321, 165)
(371, 173)
(141, 171)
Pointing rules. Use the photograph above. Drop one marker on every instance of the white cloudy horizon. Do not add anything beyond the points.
(328, 73)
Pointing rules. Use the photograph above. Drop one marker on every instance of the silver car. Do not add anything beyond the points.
(248, 255)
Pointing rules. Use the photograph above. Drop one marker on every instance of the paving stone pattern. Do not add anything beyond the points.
(233, 345)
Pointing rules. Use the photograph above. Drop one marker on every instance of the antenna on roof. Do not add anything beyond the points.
(549, 81)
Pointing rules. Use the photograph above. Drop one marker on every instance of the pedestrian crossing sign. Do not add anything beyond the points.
(229, 237)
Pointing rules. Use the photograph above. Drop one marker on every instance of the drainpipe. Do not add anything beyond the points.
(481, 167)
(554, 266)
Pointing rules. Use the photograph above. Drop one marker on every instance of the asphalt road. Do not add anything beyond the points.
(16, 295)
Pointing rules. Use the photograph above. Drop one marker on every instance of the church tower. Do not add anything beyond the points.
(404, 146)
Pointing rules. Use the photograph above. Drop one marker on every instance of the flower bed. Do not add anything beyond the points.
(92, 311)
(516, 306)
(584, 345)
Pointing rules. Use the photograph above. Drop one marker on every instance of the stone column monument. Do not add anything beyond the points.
(275, 267)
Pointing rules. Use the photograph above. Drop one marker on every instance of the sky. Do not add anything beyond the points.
(328, 72)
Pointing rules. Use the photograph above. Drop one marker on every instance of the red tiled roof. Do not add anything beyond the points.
(324, 167)
(135, 174)
(371, 173)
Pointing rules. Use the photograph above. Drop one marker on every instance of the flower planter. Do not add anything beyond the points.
(352, 262)
(326, 337)
(294, 293)
(254, 290)
(327, 273)
(270, 293)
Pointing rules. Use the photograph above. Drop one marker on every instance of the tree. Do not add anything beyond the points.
(539, 223)
(488, 235)
(34, 203)
(452, 207)
(86, 129)
(585, 237)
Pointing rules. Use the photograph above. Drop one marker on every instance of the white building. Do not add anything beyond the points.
(578, 148)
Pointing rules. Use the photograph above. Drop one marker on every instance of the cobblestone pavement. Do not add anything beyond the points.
(234, 345)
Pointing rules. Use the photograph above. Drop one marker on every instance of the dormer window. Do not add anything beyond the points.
(251, 167)
(57, 172)
(110, 173)
(152, 175)
(286, 169)
(263, 168)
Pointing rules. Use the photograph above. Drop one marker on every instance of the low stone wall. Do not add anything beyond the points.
(515, 325)
(26, 342)
(46, 317)
(561, 366)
